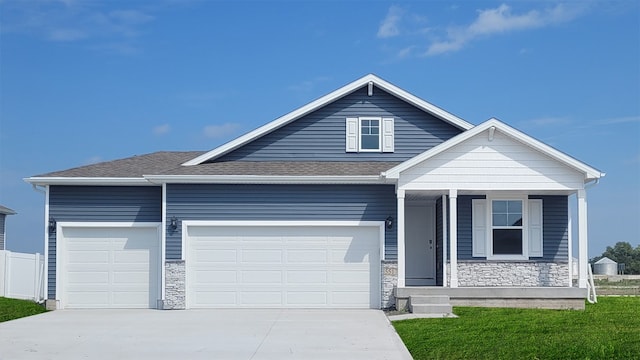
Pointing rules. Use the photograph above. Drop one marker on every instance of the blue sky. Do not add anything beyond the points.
(89, 81)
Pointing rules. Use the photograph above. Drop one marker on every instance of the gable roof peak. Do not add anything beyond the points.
(492, 125)
(323, 101)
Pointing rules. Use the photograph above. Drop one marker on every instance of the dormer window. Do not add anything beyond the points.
(369, 134)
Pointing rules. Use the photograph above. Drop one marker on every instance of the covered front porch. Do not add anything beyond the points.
(484, 219)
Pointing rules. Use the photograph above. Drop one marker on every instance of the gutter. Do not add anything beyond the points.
(259, 179)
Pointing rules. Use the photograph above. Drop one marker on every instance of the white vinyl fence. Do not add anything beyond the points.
(21, 275)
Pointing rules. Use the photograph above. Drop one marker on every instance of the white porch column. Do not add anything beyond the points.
(401, 251)
(453, 236)
(583, 258)
(444, 240)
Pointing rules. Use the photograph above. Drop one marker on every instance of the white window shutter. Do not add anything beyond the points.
(535, 228)
(352, 135)
(479, 231)
(387, 135)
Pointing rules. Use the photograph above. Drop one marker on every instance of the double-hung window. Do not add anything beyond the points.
(507, 228)
(370, 134)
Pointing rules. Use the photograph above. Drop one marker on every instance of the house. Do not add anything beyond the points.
(367, 197)
(4, 211)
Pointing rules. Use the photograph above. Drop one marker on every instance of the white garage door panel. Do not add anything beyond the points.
(110, 267)
(283, 266)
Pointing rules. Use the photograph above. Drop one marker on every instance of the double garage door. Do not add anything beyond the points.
(283, 266)
(238, 265)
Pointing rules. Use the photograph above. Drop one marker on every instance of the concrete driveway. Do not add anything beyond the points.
(202, 334)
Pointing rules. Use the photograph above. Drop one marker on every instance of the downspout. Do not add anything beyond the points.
(42, 283)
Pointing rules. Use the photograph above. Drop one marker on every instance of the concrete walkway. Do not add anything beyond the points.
(202, 334)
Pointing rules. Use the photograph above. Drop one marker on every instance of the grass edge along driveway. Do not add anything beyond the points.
(609, 329)
(11, 309)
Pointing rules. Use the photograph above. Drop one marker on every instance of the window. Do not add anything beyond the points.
(509, 229)
(369, 134)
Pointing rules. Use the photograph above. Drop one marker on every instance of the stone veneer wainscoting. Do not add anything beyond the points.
(511, 273)
(174, 285)
(389, 283)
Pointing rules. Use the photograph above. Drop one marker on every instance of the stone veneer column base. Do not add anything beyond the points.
(512, 273)
(389, 283)
(174, 285)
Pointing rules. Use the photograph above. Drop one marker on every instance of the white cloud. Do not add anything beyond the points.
(502, 20)
(220, 131)
(67, 35)
(619, 120)
(389, 26)
(308, 85)
(547, 121)
(73, 21)
(161, 129)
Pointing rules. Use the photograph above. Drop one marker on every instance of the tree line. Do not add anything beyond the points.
(623, 253)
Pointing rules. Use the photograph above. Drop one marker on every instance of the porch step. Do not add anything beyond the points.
(430, 304)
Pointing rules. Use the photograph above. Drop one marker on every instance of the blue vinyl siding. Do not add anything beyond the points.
(555, 225)
(320, 135)
(3, 218)
(100, 204)
(554, 222)
(464, 227)
(279, 202)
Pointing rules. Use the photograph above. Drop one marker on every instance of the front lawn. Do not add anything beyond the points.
(14, 309)
(609, 329)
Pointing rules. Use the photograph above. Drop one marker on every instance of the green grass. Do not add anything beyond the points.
(14, 309)
(609, 329)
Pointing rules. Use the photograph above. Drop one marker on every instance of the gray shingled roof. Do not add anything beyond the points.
(5, 210)
(133, 167)
(169, 163)
(286, 168)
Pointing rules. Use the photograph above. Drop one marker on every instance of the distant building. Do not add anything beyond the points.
(605, 266)
(4, 211)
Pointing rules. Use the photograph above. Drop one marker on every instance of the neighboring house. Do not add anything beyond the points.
(360, 199)
(4, 211)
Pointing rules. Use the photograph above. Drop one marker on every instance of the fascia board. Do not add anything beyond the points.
(254, 179)
(314, 105)
(590, 173)
(86, 181)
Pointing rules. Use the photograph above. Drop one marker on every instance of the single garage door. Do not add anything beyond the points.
(283, 266)
(109, 267)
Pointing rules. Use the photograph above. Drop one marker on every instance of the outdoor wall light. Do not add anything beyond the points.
(52, 225)
(173, 225)
(389, 222)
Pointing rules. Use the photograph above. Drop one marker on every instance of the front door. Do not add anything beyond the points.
(420, 244)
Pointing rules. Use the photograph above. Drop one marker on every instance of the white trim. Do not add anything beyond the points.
(163, 243)
(444, 240)
(525, 225)
(46, 244)
(570, 242)
(369, 118)
(453, 236)
(296, 223)
(590, 173)
(87, 181)
(60, 247)
(260, 179)
(401, 238)
(583, 259)
(343, 91)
